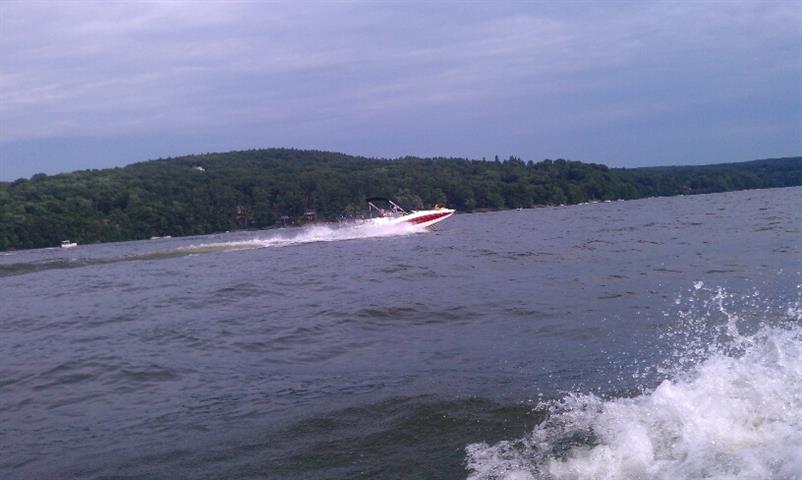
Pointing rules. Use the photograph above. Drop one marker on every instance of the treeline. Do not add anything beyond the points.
(202, 194)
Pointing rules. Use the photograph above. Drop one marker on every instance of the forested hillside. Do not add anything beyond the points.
(258, 188)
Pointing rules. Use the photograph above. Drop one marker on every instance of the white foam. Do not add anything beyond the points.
(735, 413)
(313, 233)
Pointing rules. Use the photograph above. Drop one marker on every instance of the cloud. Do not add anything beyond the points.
(322, 72)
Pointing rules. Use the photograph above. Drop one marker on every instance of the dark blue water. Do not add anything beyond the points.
(368, 352)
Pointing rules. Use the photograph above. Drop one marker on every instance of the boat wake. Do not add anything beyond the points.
(730, 407)
(279, 238)
(310, 234)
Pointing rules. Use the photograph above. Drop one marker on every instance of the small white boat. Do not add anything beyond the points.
(68, 244)
(394, 214)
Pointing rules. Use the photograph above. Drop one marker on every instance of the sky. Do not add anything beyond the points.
(87, 84)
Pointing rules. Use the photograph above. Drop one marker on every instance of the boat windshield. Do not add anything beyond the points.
(383, 207)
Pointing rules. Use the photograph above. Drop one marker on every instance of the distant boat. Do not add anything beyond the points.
(68, 244)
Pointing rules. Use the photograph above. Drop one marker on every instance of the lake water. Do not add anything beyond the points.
(658, 338)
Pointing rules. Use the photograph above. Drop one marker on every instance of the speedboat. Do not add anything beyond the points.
(394, 214)
(68, 244)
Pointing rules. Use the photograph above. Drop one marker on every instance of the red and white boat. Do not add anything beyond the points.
(393, 214)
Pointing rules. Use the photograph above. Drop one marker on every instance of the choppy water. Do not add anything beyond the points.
(659, 338)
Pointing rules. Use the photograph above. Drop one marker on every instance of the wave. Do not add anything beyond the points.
(730, 409)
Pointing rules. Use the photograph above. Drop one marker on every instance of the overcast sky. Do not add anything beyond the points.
(97, 84)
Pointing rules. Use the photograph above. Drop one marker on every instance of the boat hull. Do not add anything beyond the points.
(422, 218)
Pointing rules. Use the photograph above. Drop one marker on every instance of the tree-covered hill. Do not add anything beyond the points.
(201, 194)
